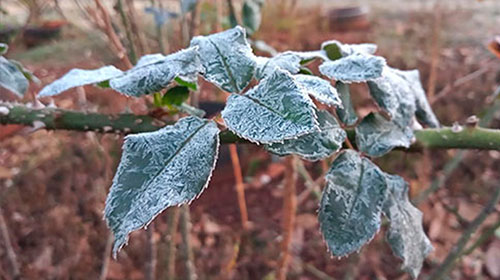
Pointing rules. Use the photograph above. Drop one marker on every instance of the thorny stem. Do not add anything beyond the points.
(288, 218)
(456, 251)
(61, 119)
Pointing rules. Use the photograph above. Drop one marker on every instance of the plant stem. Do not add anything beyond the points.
(240, 187)
(151, 250)
(172, 223)
(288, 218)
(61, 119)
(456, 251)
(128, 31)
(185, 227)
(105, 257)
(11, 254)
(483, 238)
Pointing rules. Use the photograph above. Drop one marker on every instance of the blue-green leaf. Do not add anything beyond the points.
(350, 208)
(79, 77)
(188, 5)
(273, 111)
(406, 235)
(393, 94)
(316, 145)
(423, 111)
(11, 78)
(346, 113)
(320, 89)
(228, 59)
(358, 67)
(290, 61)
(251, 15)
(160, 169)
(377, 136)
(3, 48)
(153, 75)
(334, 49)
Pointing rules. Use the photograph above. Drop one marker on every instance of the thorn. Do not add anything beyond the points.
(472, 121)
(456, 128)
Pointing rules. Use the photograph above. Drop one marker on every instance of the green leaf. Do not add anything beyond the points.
(335, 50)
(26, 72)
(168, 167)
(358, 67)
(289, 61)
(393, 94)
(346, 113)
(192, 85)
(79, 77)
(175, 96)
(406, 235)
(147, 78)
(350, 207)
(3, 48)
(423, 111)
(320, 89)
(316, 145)
(273, 111)
(228, 59)
(11, 78)
(377, 136)
(251, 15)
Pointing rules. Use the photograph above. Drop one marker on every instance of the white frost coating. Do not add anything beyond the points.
(153, 75)
(334, 49)
(228, 59)
(320, 89)
(351, 203)
(393, 94)
(4, 111)
(79, 77)
(273, 111)
(11, 78)
(316, 145)
(406, 234)
(149, 59)
(358, 67)
(160, 169)
(289, 61)
(377, 136)
(423, 111)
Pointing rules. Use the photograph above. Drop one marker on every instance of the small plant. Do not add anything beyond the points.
(173, 165)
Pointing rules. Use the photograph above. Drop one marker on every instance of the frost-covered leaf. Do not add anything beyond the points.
(160, 169)
(290, 61)
(406, 235)
(316, 145)
(346, 113)
(273, 111)
(377, 136)
(320, 89)
(150, 59)
(335, 49)
(393, 94)
(263, 47)
(358, 67)
(152, 77)
(424, 111)
(26, 72)
(350, 208)
(3, 48)
(11, 78)
(79, 77)
(228, 59)
(251, 15)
